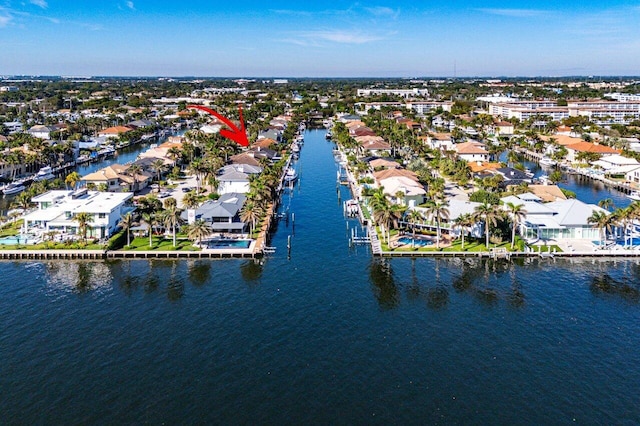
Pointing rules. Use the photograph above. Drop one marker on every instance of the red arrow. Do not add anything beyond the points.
(239, 135)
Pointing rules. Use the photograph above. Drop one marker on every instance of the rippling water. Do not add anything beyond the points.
(326, 335)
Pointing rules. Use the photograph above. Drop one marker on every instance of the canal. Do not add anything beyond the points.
(322, 334)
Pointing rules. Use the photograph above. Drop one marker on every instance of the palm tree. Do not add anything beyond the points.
(250, 213)
(602, 221)
(22, 201)
(151, 220)
(463, 222)
(83, 219)
(606, 203)
(171, 219)
(517, 213)
(190, 200)
(126, 222)
(134, 171)
(198, 230)
(72, 179)
(414, 217)
(438, 211)
(158, 166)
(489, 214)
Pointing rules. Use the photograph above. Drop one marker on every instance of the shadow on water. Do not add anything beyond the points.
(251, 270)
(384, 287)
(607, 285)
(199, 272)
(484, 281)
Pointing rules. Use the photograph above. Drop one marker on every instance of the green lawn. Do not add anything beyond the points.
(160, 244)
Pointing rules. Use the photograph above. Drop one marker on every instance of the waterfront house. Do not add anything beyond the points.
(274, 134)
(41, 132)
(456, 209)
(141, 124)
(574, 149)
(547, 193)
(244, 158)
(472, 151)
(616, 165)
(503, 128)
(233, 180)
(57, 209)
(373, 145)
(403, 190)
(513, 176)
(222, 214)
(377, 163)
(114, 132)
(557, 220)
(117, 179)
(440, 141)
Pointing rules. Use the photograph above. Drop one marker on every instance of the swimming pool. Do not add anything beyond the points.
(228, 244)
(417, 242)
(14, 240)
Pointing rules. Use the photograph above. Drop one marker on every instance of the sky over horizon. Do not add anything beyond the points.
(323, 39)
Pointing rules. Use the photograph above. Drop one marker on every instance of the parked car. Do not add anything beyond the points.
(187, 189)
(164, 194)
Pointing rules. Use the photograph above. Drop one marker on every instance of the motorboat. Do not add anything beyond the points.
(45, 173)
(546, 161)
(13, 188)
(328, 135)
(295, 148)
(634, 195)
(290, 176)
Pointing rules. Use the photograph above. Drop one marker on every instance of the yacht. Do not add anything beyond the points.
(634, 195)
(45, 173)
(295, 148)
(290, 176)
(546, 161)
(328, 135)
(13, 188)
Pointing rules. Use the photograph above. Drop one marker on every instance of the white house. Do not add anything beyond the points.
(57, 209)
(472, 151)
(616, 164)
(40, 131)
(558, 220)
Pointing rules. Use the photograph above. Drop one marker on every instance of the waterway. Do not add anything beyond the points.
(324, 334)
(122, 156)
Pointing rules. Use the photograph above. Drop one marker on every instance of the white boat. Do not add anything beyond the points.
(634, 195)
(328, 135)
(13, 188)
(290, 176)
(546, 161)
(45, 173)
(295, 148)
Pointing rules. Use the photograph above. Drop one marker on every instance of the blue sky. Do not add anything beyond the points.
(323, 39)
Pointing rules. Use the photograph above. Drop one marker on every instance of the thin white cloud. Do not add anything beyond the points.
(4, 20)
(41, 3)
(340, 36)
(130, 5)
(382, 11)
(515, 13)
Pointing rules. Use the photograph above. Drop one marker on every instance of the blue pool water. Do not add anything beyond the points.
(13, 240)
(228, 244)
(418, 242)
